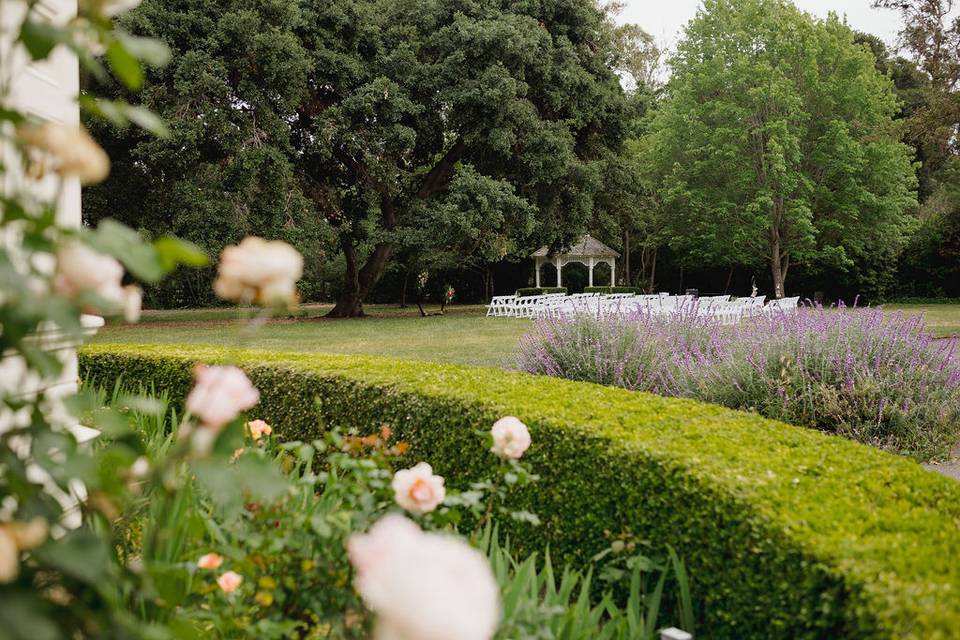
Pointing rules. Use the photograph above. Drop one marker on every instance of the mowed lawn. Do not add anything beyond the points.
(462, 335)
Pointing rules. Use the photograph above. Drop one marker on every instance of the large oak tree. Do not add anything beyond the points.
(776, 139)
(419, 114)
(420, 128)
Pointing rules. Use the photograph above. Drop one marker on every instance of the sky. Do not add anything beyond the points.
(663, 19)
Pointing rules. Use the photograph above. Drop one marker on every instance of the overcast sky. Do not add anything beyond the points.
(663, 19)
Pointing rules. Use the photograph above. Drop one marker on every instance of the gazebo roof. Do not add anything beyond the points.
(587, 246)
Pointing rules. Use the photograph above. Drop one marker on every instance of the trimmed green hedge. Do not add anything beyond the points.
(612, 290)
(788, 533)
(539, 291)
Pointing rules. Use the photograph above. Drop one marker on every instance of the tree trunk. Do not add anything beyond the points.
(626, 258)
(779, 260)
(726, 287)
(403, 289)
(777, 267)
(357, 284)
(653, 272)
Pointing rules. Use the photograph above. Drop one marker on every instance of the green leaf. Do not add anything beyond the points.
(174, 251)
(146, 120)
(26, 616)
(126, 245)
(40, 38)
(9, 115)
(125, 66)
(80, 554)
(151, 50)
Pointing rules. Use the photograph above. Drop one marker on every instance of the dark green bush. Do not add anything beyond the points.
(612, 290)
(539, 291)
(787, 533)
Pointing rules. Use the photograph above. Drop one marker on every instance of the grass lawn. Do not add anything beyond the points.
(463, 335)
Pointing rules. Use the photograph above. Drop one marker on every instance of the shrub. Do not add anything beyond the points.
(790, 533)
(539, 291)
(612, 290)
(877, 379)
(280, 516)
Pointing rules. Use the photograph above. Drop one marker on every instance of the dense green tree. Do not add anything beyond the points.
(428, 130)
(776, 139)
(417, 109)
(228, 167)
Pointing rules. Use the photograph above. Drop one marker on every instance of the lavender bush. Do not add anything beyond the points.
(874, 377)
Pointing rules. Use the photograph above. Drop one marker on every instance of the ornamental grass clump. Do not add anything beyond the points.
(874, 377)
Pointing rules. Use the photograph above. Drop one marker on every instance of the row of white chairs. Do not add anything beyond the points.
(557, 304)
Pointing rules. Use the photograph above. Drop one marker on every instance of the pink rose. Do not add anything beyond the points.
(229, 581)
(258, 429)
(417, 489)
(220, 394)
(510, 438)
(210, 561)
(424, 586)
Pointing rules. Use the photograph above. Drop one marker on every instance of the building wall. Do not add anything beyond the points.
(45, 90)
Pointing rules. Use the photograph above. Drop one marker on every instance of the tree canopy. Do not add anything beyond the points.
(776, 142)
(418, 111)
(228, 167)
(457, 127)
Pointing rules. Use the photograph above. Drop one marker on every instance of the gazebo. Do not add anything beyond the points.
(588, 251)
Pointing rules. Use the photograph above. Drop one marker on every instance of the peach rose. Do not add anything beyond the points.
(210, 561)
(258, 429)
(510, 438)
(80, 269)
(71, 150)
(220, 394)
(259, 271)
(229, 581)
(132, 303)
(417, 489)
(424, 586)
(9, 558)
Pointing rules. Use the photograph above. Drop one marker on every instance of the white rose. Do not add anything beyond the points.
(71, 149)
(80, 269)
(424, 586)
(417, 489)
(511, 438)
(220, 394)
(132, 303)
(259, 271)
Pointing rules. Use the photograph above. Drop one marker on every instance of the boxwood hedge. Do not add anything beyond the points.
(788, 533)
(539, 291)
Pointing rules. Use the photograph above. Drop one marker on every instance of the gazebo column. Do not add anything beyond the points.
(613, 272)
(590, 267)
(536, 265)
(559, 272)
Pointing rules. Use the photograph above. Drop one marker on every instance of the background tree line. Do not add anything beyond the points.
(391, 138)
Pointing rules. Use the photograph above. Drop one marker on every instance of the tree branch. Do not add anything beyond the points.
(440, 175)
